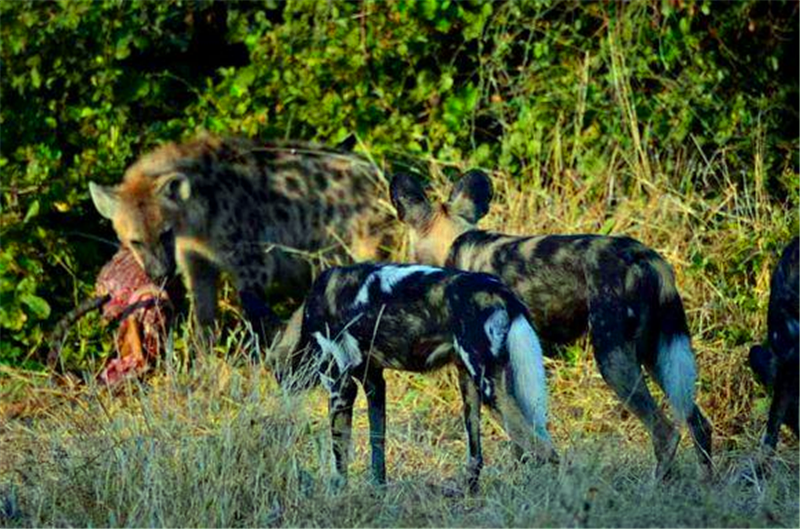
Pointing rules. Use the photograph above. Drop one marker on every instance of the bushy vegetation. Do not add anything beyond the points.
(675, 122)
(532, 90)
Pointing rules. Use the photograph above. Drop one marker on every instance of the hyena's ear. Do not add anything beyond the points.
(471, 196)
(410, 201)
(174, 187)
(105, 199)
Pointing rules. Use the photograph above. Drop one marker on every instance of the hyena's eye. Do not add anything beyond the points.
(136, 245)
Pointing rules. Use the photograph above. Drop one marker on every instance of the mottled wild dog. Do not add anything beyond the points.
(617, 289)
(359, 320)
(216, 204)
(776, 364)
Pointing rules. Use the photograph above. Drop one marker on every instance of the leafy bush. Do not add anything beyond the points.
(532, 89)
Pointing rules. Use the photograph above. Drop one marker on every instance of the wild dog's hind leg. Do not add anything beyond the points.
(471, 399)
(701, 431)
(616, 358)
(675, 372)
(375, 388)
(340, 413)
(518, 427)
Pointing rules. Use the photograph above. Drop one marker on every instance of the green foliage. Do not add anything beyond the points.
(532, 88)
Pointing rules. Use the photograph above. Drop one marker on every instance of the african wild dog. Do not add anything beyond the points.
(776, 364)
(617, 289)
(246, 208)
(358, 321)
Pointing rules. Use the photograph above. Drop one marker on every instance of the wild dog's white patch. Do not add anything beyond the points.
(496, 328)
(344, 351)
(464, 355)
(389, 276)
(630, 312)
(487, 388)
(527, 367)
(676, 372)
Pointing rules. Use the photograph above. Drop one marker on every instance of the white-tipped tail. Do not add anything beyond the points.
(677, 373)
(527, 366)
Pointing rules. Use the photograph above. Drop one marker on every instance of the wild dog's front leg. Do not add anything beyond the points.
(472, 423)
(340, 412)
(375, 387)
(777, 412)
(201, 277)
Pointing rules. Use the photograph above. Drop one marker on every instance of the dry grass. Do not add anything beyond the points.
(223, 446)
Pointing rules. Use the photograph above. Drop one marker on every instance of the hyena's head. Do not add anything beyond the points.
(436, 225)
(145, 210)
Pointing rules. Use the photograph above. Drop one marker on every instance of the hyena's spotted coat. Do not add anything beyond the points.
(232, 204)
(358, 321)
(617, 289)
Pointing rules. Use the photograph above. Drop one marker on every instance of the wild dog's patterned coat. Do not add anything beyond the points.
(619, 290)
(777, 363)
(231, 204)
(358, 321)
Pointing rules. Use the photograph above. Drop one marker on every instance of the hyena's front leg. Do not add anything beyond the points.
(375, 388)
(201, 277)
(253, 273)
(472, 424)
(340, 412)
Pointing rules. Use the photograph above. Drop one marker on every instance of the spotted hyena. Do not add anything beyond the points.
(620, 291)
(358, 321)
(251, 209)
(776, 363)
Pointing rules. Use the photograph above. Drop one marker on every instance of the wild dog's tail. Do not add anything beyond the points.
(526, 378)
(675, 367)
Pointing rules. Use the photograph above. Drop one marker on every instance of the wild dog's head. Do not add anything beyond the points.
(435, 226)
(145, 210)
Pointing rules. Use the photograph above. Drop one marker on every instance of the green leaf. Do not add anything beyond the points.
(244, 78)
(33, 210)
(36, 79)
(38, 306)
(12, 317)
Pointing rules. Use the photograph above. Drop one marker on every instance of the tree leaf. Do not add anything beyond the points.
(38, 306)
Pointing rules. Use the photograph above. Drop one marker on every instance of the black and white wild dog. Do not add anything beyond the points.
(620, 291)
(776, 364)
(359, 320)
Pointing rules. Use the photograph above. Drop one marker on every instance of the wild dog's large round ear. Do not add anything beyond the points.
(174, 187)
(105, 199)
(471, 196)
(410, 200)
